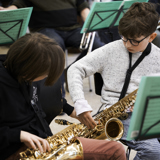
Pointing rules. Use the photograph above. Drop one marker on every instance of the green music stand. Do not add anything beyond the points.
(145, 120)
(106, 14)
(13, 24)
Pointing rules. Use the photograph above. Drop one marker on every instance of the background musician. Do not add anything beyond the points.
(57, 19)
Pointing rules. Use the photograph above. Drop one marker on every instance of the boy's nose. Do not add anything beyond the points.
(128, 44)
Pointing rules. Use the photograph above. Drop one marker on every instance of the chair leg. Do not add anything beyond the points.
(90, 85)
(128, 149)
(128, 153)
(66, 56)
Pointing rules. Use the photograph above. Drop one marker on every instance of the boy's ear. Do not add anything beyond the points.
(152, 36)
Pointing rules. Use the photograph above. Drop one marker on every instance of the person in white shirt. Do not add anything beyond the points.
(137, 29)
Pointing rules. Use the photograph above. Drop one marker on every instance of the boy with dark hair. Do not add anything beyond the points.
(29, 59)
(121, 64)
(32, 58)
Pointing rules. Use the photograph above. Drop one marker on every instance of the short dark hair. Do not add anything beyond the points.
(140, 19)
(35, 55)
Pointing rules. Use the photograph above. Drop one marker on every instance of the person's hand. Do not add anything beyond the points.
(86, 119)
(131, 108)
(2, 8)
(34, 142)
(12, 7)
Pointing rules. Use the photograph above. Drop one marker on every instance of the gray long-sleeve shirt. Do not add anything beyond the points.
(112, 62)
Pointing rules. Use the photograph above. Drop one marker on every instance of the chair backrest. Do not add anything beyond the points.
(98, 83)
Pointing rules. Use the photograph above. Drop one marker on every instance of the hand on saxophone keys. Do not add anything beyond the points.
(130, 109)
(86, 119)
(34, 142)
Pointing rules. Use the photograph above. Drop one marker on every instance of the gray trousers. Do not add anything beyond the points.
(146, 149)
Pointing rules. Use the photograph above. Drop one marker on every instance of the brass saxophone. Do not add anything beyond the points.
(64, 144)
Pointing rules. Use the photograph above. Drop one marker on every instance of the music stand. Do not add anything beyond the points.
(145, 120)
(106, 14)
(13, 24)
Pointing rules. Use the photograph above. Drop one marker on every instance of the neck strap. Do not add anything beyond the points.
(131, 68)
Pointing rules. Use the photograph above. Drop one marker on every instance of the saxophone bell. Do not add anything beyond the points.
(114, 129)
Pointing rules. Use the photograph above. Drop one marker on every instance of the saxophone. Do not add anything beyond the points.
(64, 145)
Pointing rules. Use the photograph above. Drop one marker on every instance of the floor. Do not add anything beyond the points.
(93, 100)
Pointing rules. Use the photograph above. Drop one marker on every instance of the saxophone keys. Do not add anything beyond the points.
(121, 108)
(117, 109)
(37, 154)
(51, 145)
(130, 98)
(123, 116)
(118, 114)
(99, 127)
(124, 103)
(134, 97)
(133, 101)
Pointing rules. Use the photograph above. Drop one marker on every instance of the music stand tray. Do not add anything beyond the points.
(13, 24)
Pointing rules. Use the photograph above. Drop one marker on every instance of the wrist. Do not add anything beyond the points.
(82, 106)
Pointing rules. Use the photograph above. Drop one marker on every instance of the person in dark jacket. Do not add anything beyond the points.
(21, 117)
(34, 58)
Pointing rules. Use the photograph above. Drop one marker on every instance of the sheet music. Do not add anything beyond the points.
(152, 116)
(149, 88)
(102, 14)
(13, 21)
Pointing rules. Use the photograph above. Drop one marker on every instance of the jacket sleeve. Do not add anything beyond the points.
(8, 136)
(22, 3)
(67, 108)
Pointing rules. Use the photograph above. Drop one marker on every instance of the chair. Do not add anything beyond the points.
(66, 57)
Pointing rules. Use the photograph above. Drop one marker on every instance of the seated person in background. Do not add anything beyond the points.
(32, 58)
(6, 3)
(58, 20)
(137, 29)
